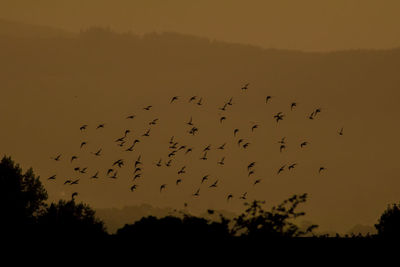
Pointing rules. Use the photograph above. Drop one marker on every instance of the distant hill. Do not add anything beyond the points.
(22, 30)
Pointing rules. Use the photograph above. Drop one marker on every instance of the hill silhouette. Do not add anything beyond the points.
(56, 84)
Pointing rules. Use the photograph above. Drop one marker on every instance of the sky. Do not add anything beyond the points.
(309, 25)
(53, 86)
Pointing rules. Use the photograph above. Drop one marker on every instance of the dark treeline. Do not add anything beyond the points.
(25, 214)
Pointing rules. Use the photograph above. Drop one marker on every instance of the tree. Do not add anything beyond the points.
(388, 225)
(22, 196)
(255, 222)
(71, 219)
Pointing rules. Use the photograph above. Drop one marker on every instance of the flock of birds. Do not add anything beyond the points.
(174, 147)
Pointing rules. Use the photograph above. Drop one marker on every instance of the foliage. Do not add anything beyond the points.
(388, 225)
(256, 222)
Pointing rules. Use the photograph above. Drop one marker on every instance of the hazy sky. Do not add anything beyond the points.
(292, 24)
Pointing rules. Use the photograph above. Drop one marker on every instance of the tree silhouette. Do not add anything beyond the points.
(22, 196)
(255, 222)
(388, 225)
(70, 219)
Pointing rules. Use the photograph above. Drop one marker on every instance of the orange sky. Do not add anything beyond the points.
(288, 24)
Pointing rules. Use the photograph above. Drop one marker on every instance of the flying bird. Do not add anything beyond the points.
(163, 186)
(321, 169)
(221, 162)
(267, 99)
(174, 99)
(245, 87)
(57, 158)
(293, 105)
(192, 98)
(254, 127)
(147, 108)
(244, 196)
(95, 176)
(292, 166)
(257, 181)
(229, 197)
(74, 194)
(82, 144)
(214, 184)
(100, 126)
(222, 119)
(131, 117)
(83, 127)
(205, 177)
(222, 146)
(235, 132)
(281, 169)
(73, 158)
(197, 193)
(53, 177)
(281, 148)
(133, 187)
(341, 131)
(303, 144)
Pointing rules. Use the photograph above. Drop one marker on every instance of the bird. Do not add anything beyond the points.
(133, 187)
(153, 122)
(73, 158)
(222, 119)
(292, 166)
(98, 152)
(281, 169)
(190, 122)
(244, 196)
(224, 107)
(147, 108)
(200, 101)
(114, 176)
(303, 144)
(57, 158)
(254, 127)
(197, 193)
(138, 175)
(267, 98)
(251, 165)
(192, 98)
(279, 116)
(193, 130)
(245, 87)
(221, 162)
(205, 177)
(257, 181)
(82, 144)
(214, 184)
(229, 197)
(100, 126)
(341, 131)
(168, 163)
(53, 177)
(207, 148)
(222, 146)
(138, 161)
(178, 181)
(281, 148)
(83, 170)
(204, 157)
(282, 141)
(250, 173)
(158, 163)
(95, 175)
(77, 169)
(321, 169)
(74, 182)
(246, 145)
(138, 169)
(230, 101)
(240, 141)
(235, 131)
(130, 149)
(189, 150)
(74, 194)
(147, 133)
(163, 186)
(174, 99)
(67, 182)
(182, 170)
(172, 154)
(83, 127)
(171, 140)
(311, 117)
(109, 171)
(131, 117)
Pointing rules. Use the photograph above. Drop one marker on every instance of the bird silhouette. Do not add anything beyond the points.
(83, 127)
(114, 176)
(57, 158)
(163, 186)
(246, 145)
(214, 184)
(109, 171)
(200, 101)
(98, 152)
(192, 98)
(254, 127)
(189, 150)
(251, 165)
(82, 144)
(321, 169)
(131, 117)
(147, 133)
(95, 176)
(281, 148)
(341, 131)
(182, 170)
(190, 122)
(74, 182)
(53, 177)
(250, 173)
(293, 105)
(281, 169)
(282, 141)
(147, 108)
(230, 101)
(222, 146)
(138, 175)
(204, 157)
(267, 99)
(292, 166)
(133, 187)
(257, 181)
(174, 99)
(244, 196)
(159, 163)
(279, 116)
(221, 162)
(153, 122)
(168, 163)
(197, 193)
(240, 141)
(230, 196)
(178, 181)
(222, 119)
(74, 194)
(235, 131)
(138, 161)
(303, 144)
(205, 177)
(67, 182)
(73, 158)
(245, 87)
(100, 126)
